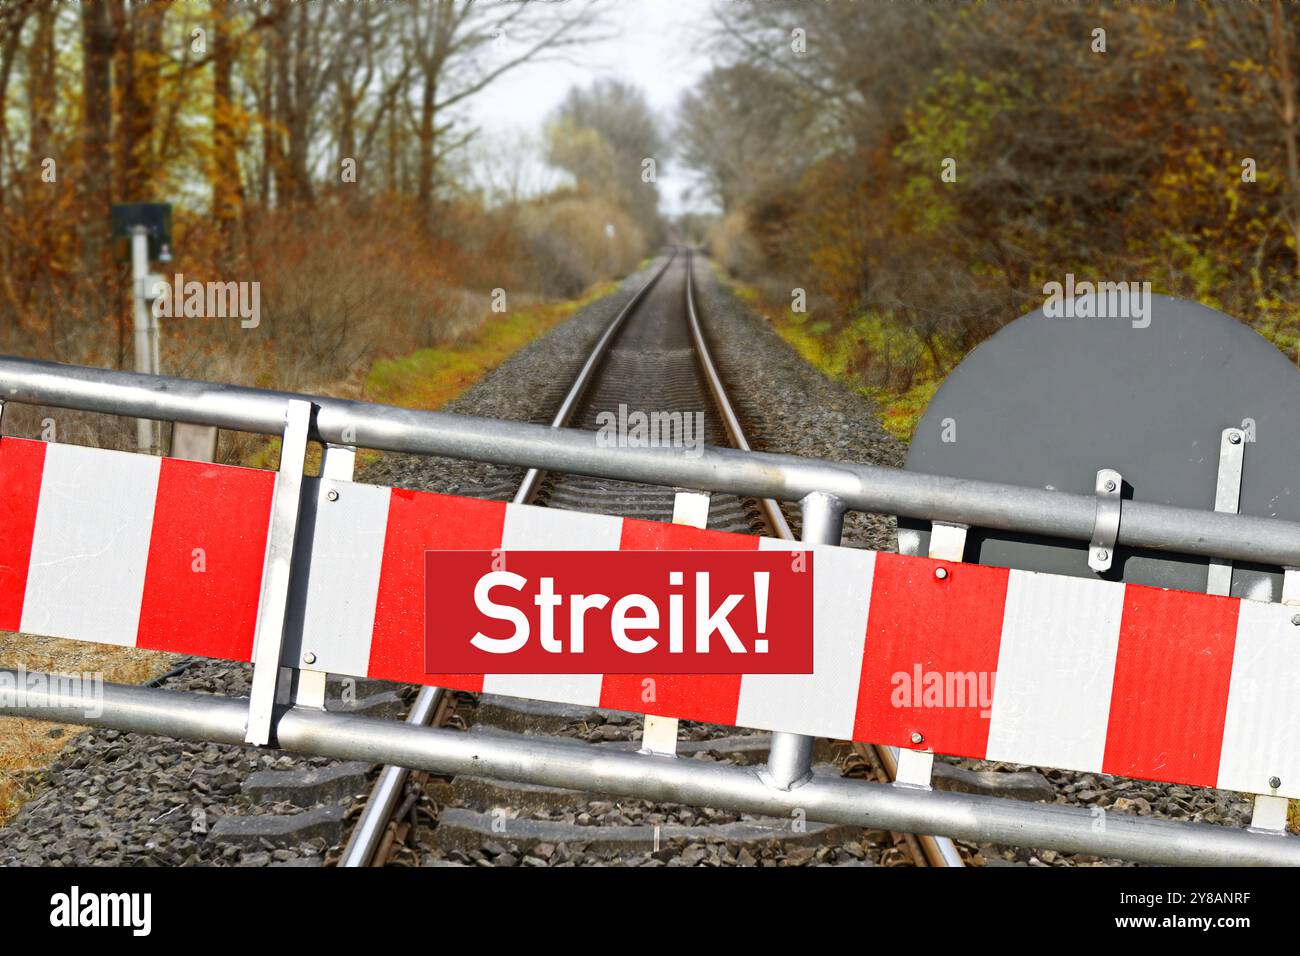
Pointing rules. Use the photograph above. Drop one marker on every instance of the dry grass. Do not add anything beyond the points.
(28, 746)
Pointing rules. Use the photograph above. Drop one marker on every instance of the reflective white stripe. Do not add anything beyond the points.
(529, 528)
(1261, 735)
(90, 547)
(1056, 668)
(824, 702)
(347, 554)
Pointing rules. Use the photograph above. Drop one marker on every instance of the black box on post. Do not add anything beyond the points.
(156, 217)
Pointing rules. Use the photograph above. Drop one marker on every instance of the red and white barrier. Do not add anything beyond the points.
(127, 549)
(981, 662)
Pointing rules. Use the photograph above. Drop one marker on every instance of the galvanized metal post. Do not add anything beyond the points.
(268, 638)
(144, 350)
(790, 759)
(306, 684)
(1227, 499)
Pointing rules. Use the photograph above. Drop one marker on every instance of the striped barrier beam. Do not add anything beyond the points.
(972, 661)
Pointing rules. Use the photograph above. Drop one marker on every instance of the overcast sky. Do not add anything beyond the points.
(656, 46)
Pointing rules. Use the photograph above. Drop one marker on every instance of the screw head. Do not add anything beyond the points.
(940, 573)
(1110, 484)
(1102, 554)
(1274, 782)
(1234, 438)
(917, 737)
(332, 495)
(1295, 619)
(309, 658)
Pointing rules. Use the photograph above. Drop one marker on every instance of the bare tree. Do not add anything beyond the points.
(449, 43)
(742, 127)
(97, 119)
(606, 136)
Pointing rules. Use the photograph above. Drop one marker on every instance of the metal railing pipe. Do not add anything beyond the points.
(874, 488)
(559, 763)
(790, 757)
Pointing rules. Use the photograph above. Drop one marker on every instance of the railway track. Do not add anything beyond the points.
(135, 798)
(652, 359)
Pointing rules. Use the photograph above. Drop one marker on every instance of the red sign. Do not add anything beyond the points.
(618, 612)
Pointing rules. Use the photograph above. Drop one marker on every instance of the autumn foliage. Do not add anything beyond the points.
(922, 170)
(317, 149)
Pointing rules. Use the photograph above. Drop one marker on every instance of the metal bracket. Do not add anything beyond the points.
(1291, 586)
(1269, 814)
(915, 768)
(1227, 498)
(948, 540)
(268, 638)
(307, 686)
(194, 442)
(1270, 811)
(659, 734)
(1105, 527)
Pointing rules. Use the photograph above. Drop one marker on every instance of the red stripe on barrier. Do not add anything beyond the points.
(1170, 694)
(640, 535)
(931, 649)
(419, 522)
(203, 580)
(711, 698)
(22, 463)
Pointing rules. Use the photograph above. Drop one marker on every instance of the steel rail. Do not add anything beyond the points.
(735, 433)
(938, 850)
(533, 477)
(368, 832)
(574, 766)
(873, 488)
(366, 836)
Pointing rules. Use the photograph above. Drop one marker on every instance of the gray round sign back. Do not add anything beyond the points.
(1048, 401)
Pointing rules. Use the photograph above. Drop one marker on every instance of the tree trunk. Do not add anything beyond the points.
(224, 179)
(424, 176)
(96, 167)
(40, 73)
(1282, 60)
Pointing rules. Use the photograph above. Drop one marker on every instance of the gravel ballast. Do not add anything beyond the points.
(125, 799)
